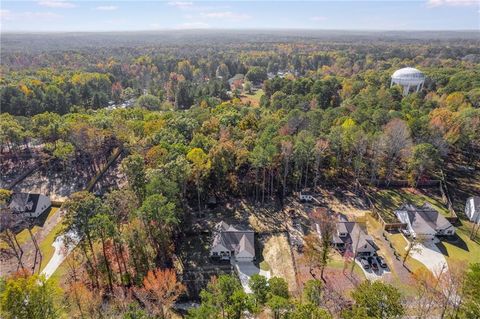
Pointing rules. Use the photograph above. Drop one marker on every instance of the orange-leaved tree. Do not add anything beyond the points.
(162, 289)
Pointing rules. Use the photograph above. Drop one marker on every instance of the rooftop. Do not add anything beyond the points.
(408, 73)
(234, 239)
(356, 236)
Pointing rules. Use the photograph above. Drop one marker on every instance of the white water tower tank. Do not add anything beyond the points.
(408, 78)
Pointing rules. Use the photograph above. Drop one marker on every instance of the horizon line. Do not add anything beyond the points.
(232, 29)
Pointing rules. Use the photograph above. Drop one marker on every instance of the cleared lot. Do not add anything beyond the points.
(276, 253)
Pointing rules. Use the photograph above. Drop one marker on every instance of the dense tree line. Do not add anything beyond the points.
(331, 116)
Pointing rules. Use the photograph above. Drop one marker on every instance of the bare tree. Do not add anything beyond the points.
(414, 246)
(450, 286)
(374, 155)
(7, 223)
(320, 147)
(359, 152)
(287, 150)
(29, 223)
(396, 144)
(426, 299)
(327, 228)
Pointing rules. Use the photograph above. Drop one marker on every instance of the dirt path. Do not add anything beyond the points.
(10, 265)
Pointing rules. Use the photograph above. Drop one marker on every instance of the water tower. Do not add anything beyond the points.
(408, 78)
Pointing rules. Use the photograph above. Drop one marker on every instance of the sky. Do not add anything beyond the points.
(85, 15)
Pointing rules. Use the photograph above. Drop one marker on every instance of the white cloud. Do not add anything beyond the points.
(193, 25)
(318, 18)
(226, 15)
(438, 3)
(106, 8)
(8, 15)
(57, 4)
(181, 4)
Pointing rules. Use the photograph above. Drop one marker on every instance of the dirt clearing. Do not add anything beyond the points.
(276, 253)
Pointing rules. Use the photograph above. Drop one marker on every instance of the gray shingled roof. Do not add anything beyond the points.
(356, 237)
(234, 239)
(24, 202)
(425, 218)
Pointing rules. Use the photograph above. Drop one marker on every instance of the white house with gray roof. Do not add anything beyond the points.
(472, 209)
(424, 221)
(350, 237)
(230, 242)
(29, 205)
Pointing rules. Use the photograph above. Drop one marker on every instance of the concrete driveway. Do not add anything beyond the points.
(372, 275)
(245, 270)
(61, 252)
(429, 255)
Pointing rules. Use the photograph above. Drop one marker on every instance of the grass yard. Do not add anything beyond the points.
(461, 248)
(23, 236)
(400, 243)
(387, 200)
(337, 262)
(46, 245)
(254, 98)
(264, 266)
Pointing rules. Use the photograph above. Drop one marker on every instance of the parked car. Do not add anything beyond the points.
(381, 262)
(364, 263)
(373, 263)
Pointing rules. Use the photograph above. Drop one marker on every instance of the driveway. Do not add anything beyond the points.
(429, 255)
(61, 252)
(245, 270)
(372, 275)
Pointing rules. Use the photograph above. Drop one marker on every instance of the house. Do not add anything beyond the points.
(472, 209)
(29, 205)
(230, 242)
(424, 221)
(305, 196)
(236, 82)
(349, 236)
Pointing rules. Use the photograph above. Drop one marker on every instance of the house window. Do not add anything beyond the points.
(343, 234)
(214, 253)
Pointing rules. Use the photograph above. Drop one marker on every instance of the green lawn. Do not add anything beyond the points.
(256, 95)
(23, 236)
(46, 245)
(400, 243)
(253, 98)
(387, 200)
(337, 262)
(461, 248)
(264, 266)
